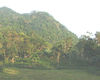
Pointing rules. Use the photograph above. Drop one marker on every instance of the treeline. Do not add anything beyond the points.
(87, 51)
(37, 40)
(20, 50)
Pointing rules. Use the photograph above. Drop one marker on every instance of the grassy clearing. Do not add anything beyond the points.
(68, 74)
(10, 71)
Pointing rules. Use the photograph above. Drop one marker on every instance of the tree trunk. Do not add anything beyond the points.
(58, 57)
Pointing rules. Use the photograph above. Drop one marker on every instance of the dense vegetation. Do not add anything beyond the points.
(40, 23)
(32, 39)
(37, 40)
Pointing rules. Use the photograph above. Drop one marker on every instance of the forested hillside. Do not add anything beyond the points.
(33, 39)
(41, 23)
(37, 40)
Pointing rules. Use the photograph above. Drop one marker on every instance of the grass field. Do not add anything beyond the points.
(68, 74)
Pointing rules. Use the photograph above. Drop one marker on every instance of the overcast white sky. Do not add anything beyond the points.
(79, 16)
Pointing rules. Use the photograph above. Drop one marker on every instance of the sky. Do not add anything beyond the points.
(79, 16)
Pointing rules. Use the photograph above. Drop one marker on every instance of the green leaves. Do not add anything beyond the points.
(32, 36)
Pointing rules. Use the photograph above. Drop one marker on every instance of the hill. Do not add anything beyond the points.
(34, 40)
(41, 23)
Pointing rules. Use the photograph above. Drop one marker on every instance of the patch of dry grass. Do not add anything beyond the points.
(10, 71)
